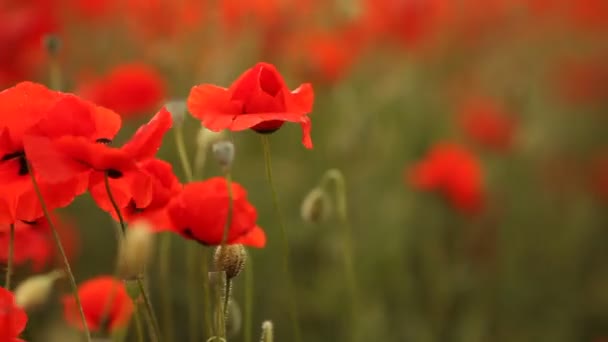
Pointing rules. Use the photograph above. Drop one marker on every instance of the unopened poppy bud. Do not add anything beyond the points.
(177, 108)
(52, 44)
(35, 291)
(316, 206)
(230, 259)
(224, 153)
(135, 250)
(267, 332)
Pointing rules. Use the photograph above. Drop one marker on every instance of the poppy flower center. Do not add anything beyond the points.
(104, 141)
(114, 174)
(20, 156)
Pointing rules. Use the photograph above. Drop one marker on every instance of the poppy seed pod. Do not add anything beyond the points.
(316, 206)
(177, 108)
(230, 259)
(34, 291)
(224, 153)
(267, 332)
(135, 250)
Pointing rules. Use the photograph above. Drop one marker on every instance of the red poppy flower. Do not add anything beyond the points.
(487, 123)
(29, 109)
(22, 26)
(164, 186)
(259, 99)
(200, 211)
(34, 242)
(453, 171)
(69, 156)
(12, 318)
(105, 302)
(128, 89)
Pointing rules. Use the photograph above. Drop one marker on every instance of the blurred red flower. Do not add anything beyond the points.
(487, 123)
(582, 81)
(128, 89)
(105, 302)
(12, 318)
(69, 156)
(29, 110)
(453, 171)
(200, 212)
(259, 99)
(23, 23)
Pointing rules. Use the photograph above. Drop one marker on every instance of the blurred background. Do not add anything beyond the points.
(473, 136)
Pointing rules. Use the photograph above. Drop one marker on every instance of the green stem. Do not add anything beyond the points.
(66, 263)
(248, 325)
(181, 151)
(227, 293)
(11, 252)
(348, 251)
(165, 280)
(138, 326)
(206, 293)
(193, 312)
(153, 323)
(293, 312)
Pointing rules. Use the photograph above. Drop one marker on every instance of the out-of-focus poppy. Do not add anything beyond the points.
(30, 109)
(34, 242)
(582, 81)
(105, 302)
(259, 99)
(22, 26)
(68, 157)
(166, 19)
(200, 212)
(487, 123)
(164, 186)
(453, 171)
(128, 89)
(599, 177)
(12, 318)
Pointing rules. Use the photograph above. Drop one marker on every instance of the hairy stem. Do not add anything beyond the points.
(293, 311)
(66, 263)
(11, 252)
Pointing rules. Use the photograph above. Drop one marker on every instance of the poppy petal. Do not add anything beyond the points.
(146, 142)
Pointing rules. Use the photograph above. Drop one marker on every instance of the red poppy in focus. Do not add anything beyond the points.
(487, 123)
(12, 318)
(164, 187)
(200, 212)
(259, 99)
(453, 171)
(128, 89)
(70, 156)
(30, 109)
(105, 302)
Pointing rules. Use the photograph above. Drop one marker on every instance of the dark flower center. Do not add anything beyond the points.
(190, 235)
(20, 156)
(114, 174)
(30, 223)
(104, 141)
(134, 207)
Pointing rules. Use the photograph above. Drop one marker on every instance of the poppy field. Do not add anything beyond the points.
(312, 170)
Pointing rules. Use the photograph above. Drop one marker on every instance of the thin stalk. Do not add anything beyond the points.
(206, 293)
(66, 263)
(182, 153)
(153, 323)
(348, 251)
(223, 311)
(11, 252)
(193, 312)
(139, 327)
(293, 312)
(165, 280)
(248, 324)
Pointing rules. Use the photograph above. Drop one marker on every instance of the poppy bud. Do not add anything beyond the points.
(230, 259)
(135, 250)
(177, 108)
(224, 153)
(34, 291)
(52, 44)
(267, 332)
(316, 206)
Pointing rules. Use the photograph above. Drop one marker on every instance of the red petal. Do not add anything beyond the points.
(254, 238)
(148, 138)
